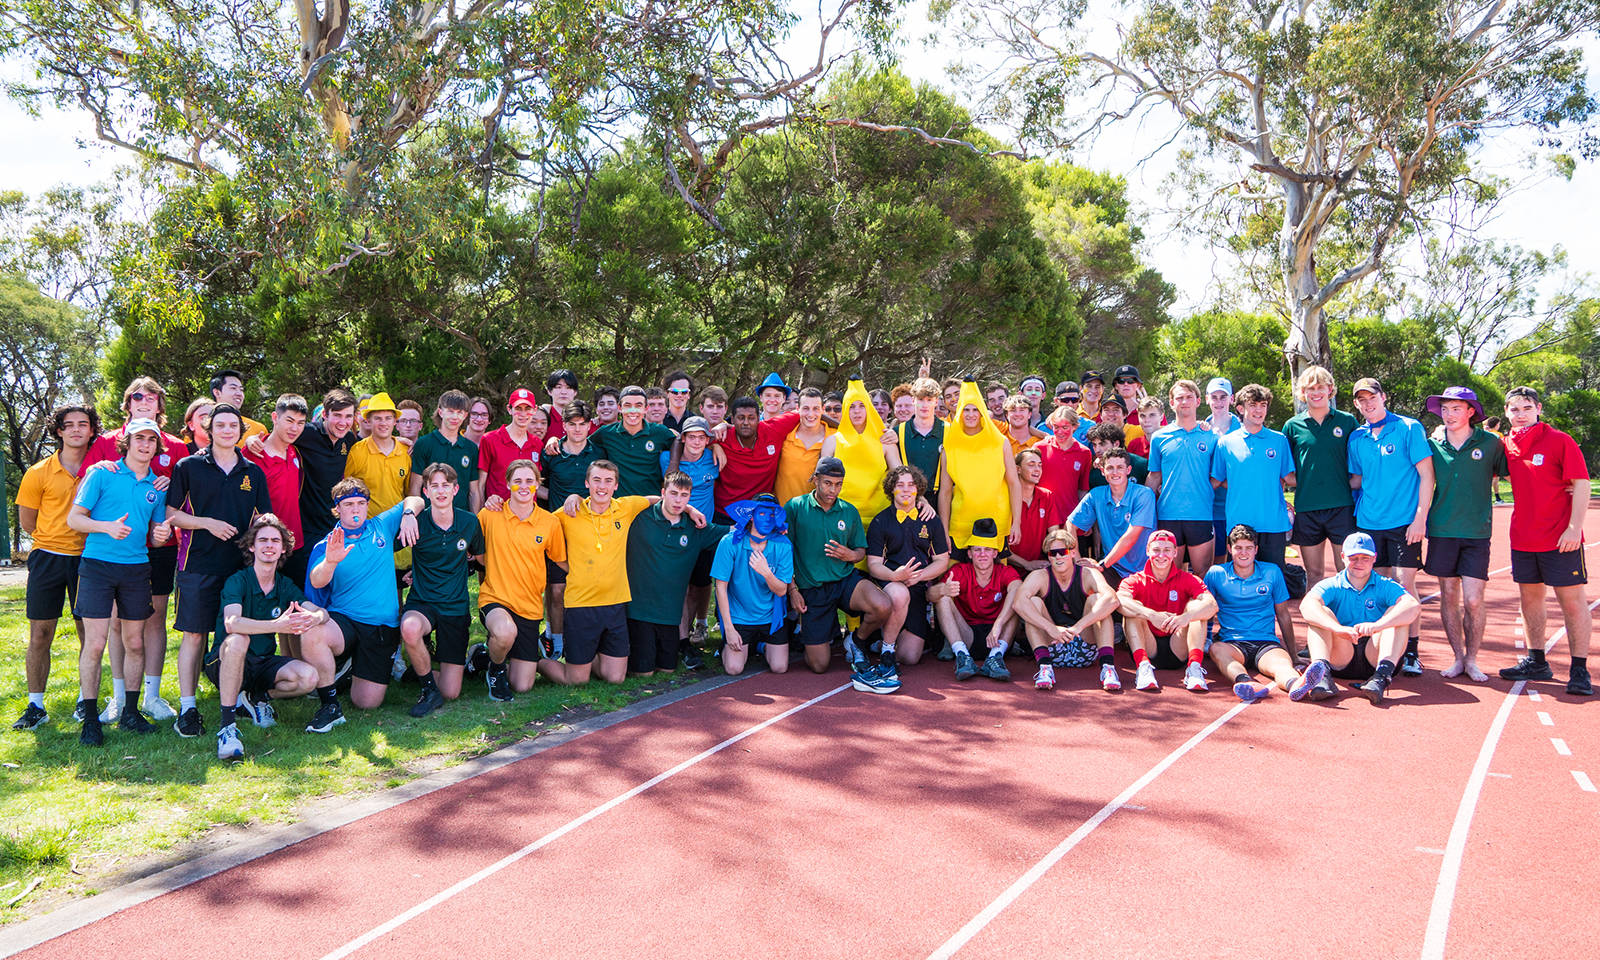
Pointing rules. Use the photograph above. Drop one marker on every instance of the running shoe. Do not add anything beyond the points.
(78, 713)
(697, 633)
(889, 669)
(693, 659)
(112, 711)
(91, 735)
(1528, 669)
(477, 658)
(229, 746)
(1109, 681)
(994, 667)
(261, 712)
(1578, 682)
(870, 679)
(328, 716)
(852, 653)
(1194, 678)
(32, 718)
(133, 721)
(1249, 692)
(1374, 689)
(1311, 682)
(397, 666)
(1045, 679)
(1411, 664)
(430, 700)
(158, 708)
(499, 684)
(189, 724)
(947, 652)
(965, 668)
(1145, 677)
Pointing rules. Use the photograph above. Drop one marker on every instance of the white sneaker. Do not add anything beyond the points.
(1045, 679)
(1145, 677)
(260, 712)
(112, 712)
(1109, 681)
(229, 746)
(158, 709)
(1194, 678)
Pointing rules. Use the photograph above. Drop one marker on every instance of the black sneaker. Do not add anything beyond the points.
(189, 724)
(499, 684)
(35, 716)
(994, 668)
(1577, 682)
(326, 718)
(132, 721)
(91, 734)
(1411, 665)
(430, 701)
(1528, 669)
(1374, 689)
(692, 658)
(477, 658)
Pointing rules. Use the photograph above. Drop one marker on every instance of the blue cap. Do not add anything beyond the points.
(1358, 543)
(773, 380)
(1219, 383)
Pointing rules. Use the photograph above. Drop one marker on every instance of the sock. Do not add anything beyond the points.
(186, 703)
(130, 701)
(997, 653)
(428, 682)
(90, 711)
(1578, 663)
(227, 715)
(1536, 653)
(152, 687)
(1107, 655)
(1196, 656)
(119, 690)
(1041, 654)
(1139, 657)
(959, 646)
(1411, 645)
(327, 695)
(1385, 670)
(887, 654)
(37, 699)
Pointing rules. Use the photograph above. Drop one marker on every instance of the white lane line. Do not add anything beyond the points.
(1517, 631)
(1584, 783)
(1534, 696)
(1433, 850)
(565, 829)
(1444, 892)
(1503, 776)
(1517, 644)
(1022, 883)
(1561, 746)
(1544, 719)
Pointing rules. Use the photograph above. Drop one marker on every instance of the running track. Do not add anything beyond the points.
(794, 817)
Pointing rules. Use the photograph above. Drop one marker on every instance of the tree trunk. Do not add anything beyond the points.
(1307, 343)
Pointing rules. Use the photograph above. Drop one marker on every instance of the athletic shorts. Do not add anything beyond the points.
(163, 568)
(528, 645)
(104, 586)
(1163, 657)
(370, 647)
(1189, 533)
(1458, 557)
(1252, 650)
(823, 604)
(700, 576)
(1549, 567)
(918, 612)
(591, 631)
(199, 602)
(1358, 668)
(1272, 548)
(260, 673)
(1393, 550)
(1311, 527)
(449, 631)
(52, 584)
(754, 633)
(980, 638)
(553, 574)
(652, 646)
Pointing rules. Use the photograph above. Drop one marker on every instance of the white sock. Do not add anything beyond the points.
(119, 692)
(959, 646)
(186, 703)
(37, 699)
(997, 653)
(152, 687)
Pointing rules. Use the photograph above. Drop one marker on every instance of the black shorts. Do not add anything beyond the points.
(449, 631)
(163, 568)
(1359, 668)
(754, 633)
(553, 574)
(652, 646)
(199, 602)
(104, 586)
(980, 638)
(52, 583)
(1311, 527)
(1272, 547)
(1251, 650)
(1393, 550)
(1458, 557)
(591, 631)
(1189, 533)
(700, 576)
(370, 647)
(528, 645)
(1163, 657)
(260, 673)
(1549, 567)
(823, 604)
(918, 619)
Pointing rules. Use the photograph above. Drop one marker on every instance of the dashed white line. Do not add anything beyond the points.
(1544, 718)
(1433, 850)
(1534, 696)
(1584, 783)
(1561, 746)
(1517, 644)
(1502, 776)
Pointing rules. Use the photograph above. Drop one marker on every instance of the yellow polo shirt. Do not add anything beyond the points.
(385, 477)
(514, 554)
(597, 552)
(48, 488)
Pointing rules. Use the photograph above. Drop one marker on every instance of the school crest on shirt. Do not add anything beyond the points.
(1538, 459)
(1372, 604)
(683, 540)
(1041, 513)
(1271, 454)
(1477, 454)
(1202, 446)
(1261, 589)
(1077, 466)
(617, 524)
(650, 445)
(464, 461)
(538, 538)
(1172, 596)
(277, 612)
(150, 496)
(461, 544)
(771, 450)
(1338, 431)
(1388, 448)
(997, 596)
(841, 524)
(377, 539)
(165, 460)
(294, 461)
(244, 485)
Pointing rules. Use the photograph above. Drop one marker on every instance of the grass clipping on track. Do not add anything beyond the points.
(75, 820)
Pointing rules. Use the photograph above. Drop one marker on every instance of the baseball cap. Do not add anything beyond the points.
(1466, 395)
(1158, 534)
(697, 423)
(1368, 384)
(1064, 386)
(1089, 375)
(1127, 370)
(521, 395)
(830, 467)
(141, 425)
(1360, 543)
(1219, 383)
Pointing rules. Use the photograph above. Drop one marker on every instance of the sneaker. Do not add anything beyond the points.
(229, 746)
(32, 718)
(91, 735)
(158, 709)
(112, 712)
(547, 645)
(1109, 681)
(1145, 677)
(328, 716)
(1045, 679)
(693, 659)
(697, 633)
(1578, 682)
(132, 721)
(189, 724)
(870, 679)
(965, 668)
(1194, 678)
(499, 684)
(994, 668)
(1249, 692)
(1411, 665)
(78, 715)
(261, 712)
(947, 653)
(889, 669)
(1527, 669)
(852, 653)
(1311, 682)
(430, 701)
(1374, 689)
(478, 658)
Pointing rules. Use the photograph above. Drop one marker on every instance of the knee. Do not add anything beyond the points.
(776, 667)
(233, 646)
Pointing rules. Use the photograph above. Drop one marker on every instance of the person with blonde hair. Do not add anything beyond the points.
(1063, 605)
(1319, 441)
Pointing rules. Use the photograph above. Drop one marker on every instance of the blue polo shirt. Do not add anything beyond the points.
(1253, 466)
(1137, 508)
(363, 586)
(703, 473)
(1351, 606)
(747, 590)
(1247, 606)
(1387, 466)
(107, 495)
(1183, 458)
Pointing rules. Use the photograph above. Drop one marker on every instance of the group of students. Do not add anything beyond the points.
(337, 545)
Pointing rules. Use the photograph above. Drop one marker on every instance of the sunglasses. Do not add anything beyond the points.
(678, 392)
(1057, 551)
(142, 396)
(1122, 380)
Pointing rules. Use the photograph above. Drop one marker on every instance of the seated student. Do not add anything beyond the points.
(258, 603)
(905, 554)
(976, 604)
(752, 571)
(523, 545)
(1059, 604)
(1358, 620)
(1250, 597)
(665, 552)
(1164, 616)
(437, 602)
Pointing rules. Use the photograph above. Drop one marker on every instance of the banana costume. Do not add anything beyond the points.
(977, 470)
(862, 454)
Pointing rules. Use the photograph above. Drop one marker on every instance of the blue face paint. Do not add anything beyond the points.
(767, 521)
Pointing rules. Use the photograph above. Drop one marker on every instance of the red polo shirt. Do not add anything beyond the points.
(753, 469)
(1066, 470)
(978, 605)
(1164, 596)
(104, 447)
(283, 487)
(498, 451)
(1038, 516)
(1542, 462)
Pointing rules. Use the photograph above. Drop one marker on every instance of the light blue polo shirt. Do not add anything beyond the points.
(747, 590)
(107, 495)
(1098, 511)
(363, 586)
(1253, 466)
(703, 473)
(1351, 606)
(1387, 466)
(1183, 458)
(1247, 606)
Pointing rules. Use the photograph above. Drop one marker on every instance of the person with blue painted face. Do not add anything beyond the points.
(752, 570)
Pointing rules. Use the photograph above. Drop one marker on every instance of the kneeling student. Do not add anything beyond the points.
(522, 544)
(1164, 615)
(1062, 604)
(1250, 597)
(1358, 620)
(752, 570)
(976, 604)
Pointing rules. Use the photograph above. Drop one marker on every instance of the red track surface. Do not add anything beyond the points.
(1313, 829)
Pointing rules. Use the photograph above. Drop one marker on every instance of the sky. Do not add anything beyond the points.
(59, 147)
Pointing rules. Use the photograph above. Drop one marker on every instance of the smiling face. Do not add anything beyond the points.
(288, 425)
(905, 491)
(142, 448)
(382, 423)
(678, 396)
(143, 404)
(655, 409)
(478, 417)
(231, 392)
(225, 431)
(1522, 413)
(810, 411)
(1456, 414)
(694, 444)
(1062, 558)
(441, 490)
(451, 419)
(409, 423)
(632, 410)
(1254, 413)
(772, 400)
(605, 409)
(1243, 552)
(995, 400)
(268, 545)
(339, 422)
(1318, 395)
(602, 484)
(905, 407)
(1093, 391)
(1116, 471)
(1372, 404)
(1161, 553)
(524, 484)
(1017, 419)
(75, 431)
(1030, 468)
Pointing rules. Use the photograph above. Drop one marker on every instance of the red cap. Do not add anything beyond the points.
(521, 395)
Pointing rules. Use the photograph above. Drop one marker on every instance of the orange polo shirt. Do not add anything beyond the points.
(48, 487)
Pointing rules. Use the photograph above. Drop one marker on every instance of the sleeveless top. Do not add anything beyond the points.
(1066, 606)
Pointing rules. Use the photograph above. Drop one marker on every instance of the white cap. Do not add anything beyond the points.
(141, 425)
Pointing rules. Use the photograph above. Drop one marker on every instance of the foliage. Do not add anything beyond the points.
(1239, 346)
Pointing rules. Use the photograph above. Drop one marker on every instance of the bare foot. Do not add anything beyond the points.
(1454, 670)
(1478, 676)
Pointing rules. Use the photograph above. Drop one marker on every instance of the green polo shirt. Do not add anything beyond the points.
(568, 473)
(461, 456)
(244, 589)
(922, 451)
(1463, 492)
(637, 456)
(810, 529)
(1321, 464)
(1138, 467)
(439, 561)
(661, 555)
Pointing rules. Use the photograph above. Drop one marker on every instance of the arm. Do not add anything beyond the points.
(28, 517)
(1316, 614)
(78, 519)
(1034, 585)
(1153, 481)
(891, 454)
(829, 445)
(1200, 608)
(414, 484)
(1572, 537)
(1125, 543)
(1101, 603)
(1404, 610)
(1133, 608)
(1014, 487)
(944, 491)
(730, 636)
(1286, 628)
(933, 571)
(1419, 521)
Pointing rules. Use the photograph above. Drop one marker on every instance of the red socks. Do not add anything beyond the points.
(1196, 656)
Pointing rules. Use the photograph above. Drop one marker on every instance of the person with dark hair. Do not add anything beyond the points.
(1122, 513)
(1033, 388)
(655, 404)
(881, 403)
(408, 421)
(833, 404)
(561, 386)
(1252, 599)
(752, 448)
(522, 542)
(1180, 476)
(279, 461)
(635, 444)
(445, 444)
(227, 386)
(480, 420)
(994, 399)
(607, 406)
(773, 393)
(906, 555)
(437, 601)
(976, 604)
(714, 405)
(666, 553)
(802, 447)
(195, 416)
(679, 388)
(1105, 437)
(324, 451)
(1255, 466)
(44, 499)
(1066, 609)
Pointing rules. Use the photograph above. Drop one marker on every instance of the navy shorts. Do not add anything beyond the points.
(449, 631)
(103, 585)
(553, 574)
(528, 645)
(652, 646)
(1458, 557)
(823, 604)
(199, 602)
(370, 647)
(592, 631)
(1359, 667)
(1549, 567)
(700, 576)
(52, 584)
(1393, 550)
(1311, 527)
(163, 569)
(260, 673)
(1189, 533)
(1252, 650)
